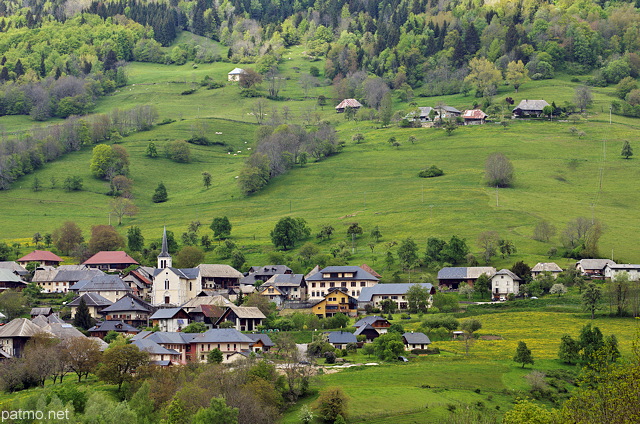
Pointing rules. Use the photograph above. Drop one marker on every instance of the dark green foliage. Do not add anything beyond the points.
(83, 319)
(160, 195)
(388, 346)
(445, 302)
(440, 321)
(178, 151)
(288, 231)
(331, 404)
(135, 240)
(569, 351)
(430, 172)
(73, 183)
(627, 151)
(523, 354)
(217, 413)
(221, 227)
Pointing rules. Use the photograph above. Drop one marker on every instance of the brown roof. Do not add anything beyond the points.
(370, 270)
(212, 311)
(348, 103)
(106, 257)
(474, 114)
(40, 255)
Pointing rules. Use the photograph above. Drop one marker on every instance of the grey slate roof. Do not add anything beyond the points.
(369, 320)
(546, 267)
(153, 348)
(367, 293)
(184, 273)
(20, 327)
(453, 273)
(221, 335)
(64, 331)
(166, 313)
(41, 311)
(165, 337)
(598, 264)
(91, 299)
(359, 273)
(117, 326)
(361, 329)
(509, 273)
(263, 337)
(341, 337)
(531, 105)
(247, 312)
(7, 275)
(14, 266)
(416, 338)
(219, 270)
(101, 283)
(129, 303)
(77, 275)
(286, 280)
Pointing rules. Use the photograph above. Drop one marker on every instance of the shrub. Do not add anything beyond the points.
(189, 91)
(432, 171)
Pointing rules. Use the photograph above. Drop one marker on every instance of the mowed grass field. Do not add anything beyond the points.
(422, 390)
(558, 175)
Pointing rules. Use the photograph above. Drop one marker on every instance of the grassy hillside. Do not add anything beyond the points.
(557, 173)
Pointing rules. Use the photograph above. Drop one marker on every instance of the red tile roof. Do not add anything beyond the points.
(107, 258)
(40, 255)
(370, 270)
(474, 114)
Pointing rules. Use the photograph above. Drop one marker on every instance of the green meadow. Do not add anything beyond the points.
(559, 176)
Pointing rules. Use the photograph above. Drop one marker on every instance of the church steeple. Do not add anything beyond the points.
(164, 258)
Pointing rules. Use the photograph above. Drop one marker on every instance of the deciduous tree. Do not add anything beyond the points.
(484, 76)
(105, 237)
(288, 231)
(119, 362)
(498, 171)
(523, 354)
(121, 206)
(67, 237)
(221, 227)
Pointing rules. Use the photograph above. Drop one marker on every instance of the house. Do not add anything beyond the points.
(108, 286)
(263, 274)
(233, 293)
(452, 277)
(227, 340)
(15, 335)
(529, 108)
(43, 321)
(9, 280)
(63, 331)
(283, 287)
(474, 117)
(173, 286)
(94, 302)
(337, 300)
(219, 276)
(368, 331)
(130, 309)
(351, 278)
(632, 270)
(340, 339)
(548, 267)
(19, 270)
(504, 283)
(415, 341)
(593, 268)
(236, 74)
(61, 279)
(261, 342)
(170, 319)
(140, 281)
(110, 261)
(348, 104)
(158, 355)
(380, 324)
(40, 258)
(370, 270)
(396, 292)
(447, 112)
(244, 318)
(102, 328)
(206, 314)
(178, 342)
(198, 301)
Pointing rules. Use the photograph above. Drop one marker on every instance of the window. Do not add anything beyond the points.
(353, 284)
(343, 284)
(190, 286)
(332, 284)
(166, 284)
(394, 297)
(363, 284)
(321, 284)
(313, 285)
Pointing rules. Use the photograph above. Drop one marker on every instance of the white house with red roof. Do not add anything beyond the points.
(110, 261)
(41, 257)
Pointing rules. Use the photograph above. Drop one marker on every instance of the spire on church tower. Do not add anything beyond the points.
(164, 258)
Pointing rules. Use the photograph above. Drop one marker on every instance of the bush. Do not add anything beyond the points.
(189, 91)
(199, 140)
(432, 171)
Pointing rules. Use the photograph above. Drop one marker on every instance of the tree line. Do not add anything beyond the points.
(22, 154)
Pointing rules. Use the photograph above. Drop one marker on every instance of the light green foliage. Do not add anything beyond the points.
(389, 346)
(331, 403)
(417, 297)
(100, 409)
(217, 413)
(525, 411)
(119, 362)
(591, 298)
(445, 302)
(195, 327)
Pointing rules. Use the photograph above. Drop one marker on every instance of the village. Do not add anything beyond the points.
(152, 306)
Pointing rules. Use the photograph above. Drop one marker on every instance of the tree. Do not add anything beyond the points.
(488, 242)
(376, 234)
(83, 318)
(13, 304)
(214, 356)
(190, 257)
(325, 232)
(484, 76)
(591, 341)
(206, 179)
(558, 289)
(109, 161)
(516, 74)
(627, 151)
(591, 298)
(288, 231)
(178, 151)
(408, 253)
(354, 230)
(569, 351)
(237, 259)
(105, 237)
(466, 290)
(37, 238)
(151, 151)
(469, 326)
(135, 240)
(82, 355)
(498, 171)
(523, 354)
(417, 298)
(217, 413)
(386, 109)
(388, 346)
(72, 183)
(618, 293)
(543, 231)
(482, 285)
(259, 301)
(160, 195)
(221, 227)
(250, 78)
(119, 362)
(67, 237)
(331, 403)
(526, 411)
(121, 206)
(36, 186)
(583, 97)
(506, 247)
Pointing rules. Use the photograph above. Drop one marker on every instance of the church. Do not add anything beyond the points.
(173, 286)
